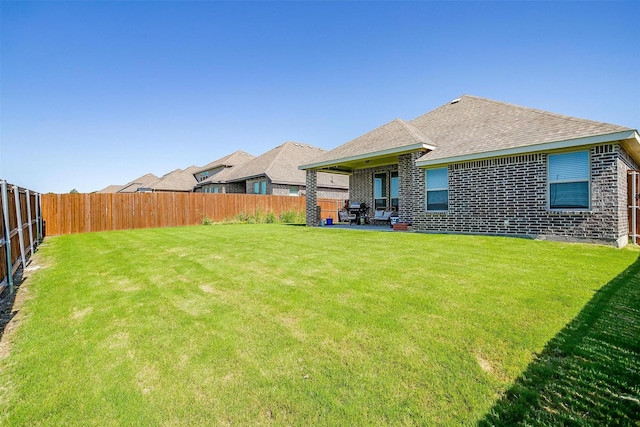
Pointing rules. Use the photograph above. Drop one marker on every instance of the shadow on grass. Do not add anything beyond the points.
(7, 300)
(588, 374)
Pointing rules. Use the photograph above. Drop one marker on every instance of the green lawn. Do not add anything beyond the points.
(282, 325)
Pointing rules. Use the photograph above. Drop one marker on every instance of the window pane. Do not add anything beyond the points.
(263, 187)
(394, 185)
(569, 166)
(437, 178)
(380, 185)
(381, 203)
(377, 187)
(569, 195)
(438, 200)
(256, 188)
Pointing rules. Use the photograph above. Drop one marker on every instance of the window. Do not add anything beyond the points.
(437, 189)
(293, 190)
(395, 189)
(260, 187)
(216, 190)
(380, 190)
(569, 180)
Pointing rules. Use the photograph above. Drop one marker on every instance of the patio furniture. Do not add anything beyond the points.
(360, 210)
(382, 215)
(345, 216)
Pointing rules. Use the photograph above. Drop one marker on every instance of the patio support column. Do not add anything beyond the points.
(312, 198)
(411, 189)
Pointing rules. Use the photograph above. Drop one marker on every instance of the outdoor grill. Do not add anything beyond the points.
(359, 210)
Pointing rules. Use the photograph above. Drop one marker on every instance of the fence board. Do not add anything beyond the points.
(13, 226)
(81, 213)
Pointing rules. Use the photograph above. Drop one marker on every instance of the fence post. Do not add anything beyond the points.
(7, 234)
(39, 217)
(30, 221)
(16, 192)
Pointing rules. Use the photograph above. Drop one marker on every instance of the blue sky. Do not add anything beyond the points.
(99, 93)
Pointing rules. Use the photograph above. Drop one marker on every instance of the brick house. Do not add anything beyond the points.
(212, 178)
(276, 173)
(475, 165)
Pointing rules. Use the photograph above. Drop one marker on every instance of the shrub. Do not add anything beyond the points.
(292, 217)
(262, 217)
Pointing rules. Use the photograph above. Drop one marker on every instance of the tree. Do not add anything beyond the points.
(73, 191)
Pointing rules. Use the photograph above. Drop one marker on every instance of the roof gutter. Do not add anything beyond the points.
(547, 146)
(398, 150)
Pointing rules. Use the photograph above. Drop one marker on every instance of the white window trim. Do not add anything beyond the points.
(426, 192)
(566, 181)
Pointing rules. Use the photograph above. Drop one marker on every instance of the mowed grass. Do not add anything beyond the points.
(285, 325)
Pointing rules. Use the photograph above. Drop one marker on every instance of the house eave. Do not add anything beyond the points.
(248, 177)
(335, 163)
(623, 136)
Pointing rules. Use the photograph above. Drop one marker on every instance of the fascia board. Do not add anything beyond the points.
(556, 145)
(391, 151)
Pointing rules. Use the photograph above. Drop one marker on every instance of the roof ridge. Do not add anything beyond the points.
(539, 111)
(415, 132)
(223, 161)
(280, 149)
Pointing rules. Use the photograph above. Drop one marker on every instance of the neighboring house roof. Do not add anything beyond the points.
(224, 165)
(281, 164)
(218, 177)
(233, 159)
(110, 189)
(143, 181)
(470, 127)
(177, 180)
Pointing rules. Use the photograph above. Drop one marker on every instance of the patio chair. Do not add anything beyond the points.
(382, 215)
(346, 217)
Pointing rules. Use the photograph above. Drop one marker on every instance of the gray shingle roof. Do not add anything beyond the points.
(280, 165)
(393, 135)
(469, 126)
(473, 125)
(233, 159)
(177, 180)
(143, 181)
(218, 177)
(110, 189)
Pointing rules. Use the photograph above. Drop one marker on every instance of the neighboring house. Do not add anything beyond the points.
(276, 172)
(475, 165)
(211, 177)
(110, 189)
(179, 180)
(143, 182)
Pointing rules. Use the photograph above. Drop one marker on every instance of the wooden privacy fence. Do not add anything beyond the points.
(82, 213)
(20, 229)
(634, 206)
